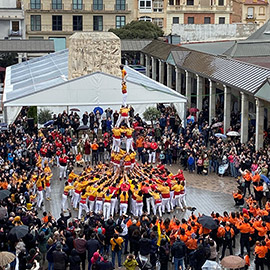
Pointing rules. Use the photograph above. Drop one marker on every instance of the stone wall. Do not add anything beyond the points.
(94, 51)
(212, 32)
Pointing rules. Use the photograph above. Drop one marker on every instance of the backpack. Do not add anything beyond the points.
(117, 246)
(228, 235)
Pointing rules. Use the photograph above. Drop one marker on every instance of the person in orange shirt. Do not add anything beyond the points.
(238, 198)
(260, 252)
(124, 92)
(94, 147)
(245, 230)
(228, 234)
(123, 73)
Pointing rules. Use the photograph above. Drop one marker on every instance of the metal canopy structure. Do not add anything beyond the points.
(27, 46)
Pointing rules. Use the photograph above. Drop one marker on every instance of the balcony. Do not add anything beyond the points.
(49, 28)
(98, 7)
(35, 6)
(250, 18)
(119, 8)
(13, 33)
(77, 7)
(56, 6)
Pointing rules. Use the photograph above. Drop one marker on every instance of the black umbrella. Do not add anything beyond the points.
(83, 127)
(18, 232)
(208, 222)
(48, 123)
(4, 194)
(3, 212)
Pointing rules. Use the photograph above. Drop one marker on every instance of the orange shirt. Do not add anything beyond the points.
(244, 228)
(191, 244)
(139, 142)
(238, 196)
(94, 146)
(261, 251)
(256, 178)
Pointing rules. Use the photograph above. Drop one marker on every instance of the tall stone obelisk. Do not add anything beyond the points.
(94, 51)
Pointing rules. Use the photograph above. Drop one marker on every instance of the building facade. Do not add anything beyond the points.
(255, 11)
(165, 13)
(11, 20)
(59, 19)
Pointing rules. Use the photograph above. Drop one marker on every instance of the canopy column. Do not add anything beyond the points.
(227, 108)
(244, 117)
(259, 124)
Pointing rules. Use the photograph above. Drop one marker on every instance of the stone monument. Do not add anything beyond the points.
(94, 51)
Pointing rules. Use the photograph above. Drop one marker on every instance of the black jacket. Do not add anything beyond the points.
(74, 260)
(59, 260)
(92, 246)
(105, 265)
(145, 246)
(178, 249)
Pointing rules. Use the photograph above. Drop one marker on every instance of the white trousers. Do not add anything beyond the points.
(152, 157)
(98, 206)
(150, 201)
(124, 99)
(39, 198)
(123, 208)
(172, 202)
(129, 145)
(63, 171)
(91, 206)
(48, 192)
(64, 202)
(76, 198)
(166, 204)
(116, 145)
(121, 119)
(177, 200)
(74, 150)
(183, 200)
(82, 206)
(139, 209)
(106, 210)
(158, 209)
(114, 206)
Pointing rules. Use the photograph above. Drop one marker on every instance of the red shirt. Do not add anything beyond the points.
(154, 146)
(125, 187)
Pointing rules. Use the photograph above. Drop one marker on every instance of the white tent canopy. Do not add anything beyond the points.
(84, 93)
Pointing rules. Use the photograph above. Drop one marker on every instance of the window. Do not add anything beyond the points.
(145, 5)
(190, 2)
(158, 22)
(35, 22)
(145, 18)
(77, 4)
(250, 13)
(171, 2)
(158, 5)
(56, 4)
(175, 20)
(98, 5)
(15, 26)
(177, 2)
(98, 23)
(120, 21)
(120, 5)
(207, 20)
(221, 20)
(262, 11)
(57, 23)
(35, 4)
(190, 20)
(77, 23)
(221, 2)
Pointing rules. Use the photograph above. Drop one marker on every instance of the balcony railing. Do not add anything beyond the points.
(57, 6)
(37, 6)
(118, 7)
(98, 7)
(250, 18)
(77, 6)
(13, 33)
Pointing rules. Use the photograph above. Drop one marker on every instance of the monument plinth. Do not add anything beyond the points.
(94, 51)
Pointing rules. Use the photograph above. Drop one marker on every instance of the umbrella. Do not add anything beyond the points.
(193, 110)
(98, 109)
(265, 179)
(211, 265)
(6, 258)
(218, 124)
(4, 194)
(3, 128)
(138, 128)
(233, 133)
(190, 119)
(208, 222)
(48, 123)
(220, 135)
(83, 127)
(18, 232)
(3, 124)
(233, 262)
(74, 110)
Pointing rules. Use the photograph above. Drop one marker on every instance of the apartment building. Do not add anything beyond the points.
(11, 20)
(255, 11)
(59, 19)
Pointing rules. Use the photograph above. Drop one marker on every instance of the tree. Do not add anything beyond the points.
(44, 116)
(138, 30)
(151, 114)
(7, 59)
